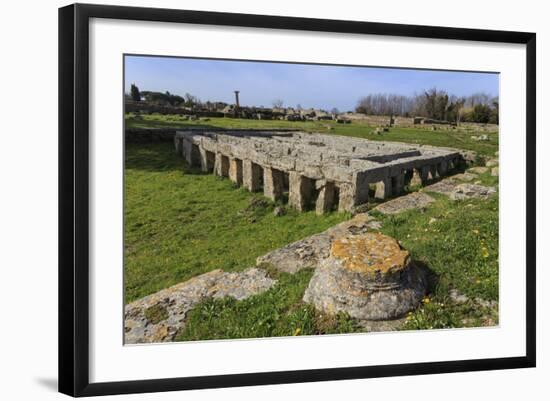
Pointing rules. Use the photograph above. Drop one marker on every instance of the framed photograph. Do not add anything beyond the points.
(251, 199)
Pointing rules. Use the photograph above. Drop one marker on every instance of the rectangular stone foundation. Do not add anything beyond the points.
(318, 170)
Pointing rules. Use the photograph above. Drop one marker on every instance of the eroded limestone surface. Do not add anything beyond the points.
(310, 251)
(415, 200)
(469, 191)
(160, 316)
(368, 277)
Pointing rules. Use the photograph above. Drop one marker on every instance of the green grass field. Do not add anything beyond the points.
(450, 138)
(180, 223)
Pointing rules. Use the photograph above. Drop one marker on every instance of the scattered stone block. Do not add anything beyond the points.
(465, 177)
(494, 171)
(444, 187)
(415, 200)
(309, 252)
(477, 170)
(160, 316)
(469, 191)
(491, 163)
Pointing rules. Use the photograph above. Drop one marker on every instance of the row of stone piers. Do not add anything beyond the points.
(307, 181)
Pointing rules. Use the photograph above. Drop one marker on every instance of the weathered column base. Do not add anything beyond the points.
(367, 276)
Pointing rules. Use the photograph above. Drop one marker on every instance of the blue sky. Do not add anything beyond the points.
(318, 86)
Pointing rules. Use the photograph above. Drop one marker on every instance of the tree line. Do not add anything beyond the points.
(435, 104)
(163, 99)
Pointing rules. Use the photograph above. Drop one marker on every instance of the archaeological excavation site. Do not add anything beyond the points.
(316, 171)
(357, 270)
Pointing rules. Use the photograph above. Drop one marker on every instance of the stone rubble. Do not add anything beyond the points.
(477, 170)
(415, 200)
(469, 191)
(311, 251)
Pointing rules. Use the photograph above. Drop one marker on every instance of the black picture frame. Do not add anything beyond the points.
(74, 198)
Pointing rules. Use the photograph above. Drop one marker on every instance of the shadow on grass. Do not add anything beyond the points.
(156, 157)
(432, 277)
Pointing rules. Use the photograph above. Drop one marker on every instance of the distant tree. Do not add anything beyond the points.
(493, 118)
(278, 103)
(335, 110)
(481, 113)
(134, 93)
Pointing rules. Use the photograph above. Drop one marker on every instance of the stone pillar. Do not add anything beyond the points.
(442, 168)
(299, 191)
(416, 178)
(433, 172)
(236, 171)
(398, 184)
(383, 189)
(252, 176)
(420, 175)
(193, 155)
(325, 199)
(207, 164)
(348, 197)
(273, 183)
(221, 165)
(178, 146)
(451, 165)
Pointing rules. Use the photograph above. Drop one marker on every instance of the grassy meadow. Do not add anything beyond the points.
(180, 222)
(424, 136)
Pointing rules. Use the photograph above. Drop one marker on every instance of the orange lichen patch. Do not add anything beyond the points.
(369, 253)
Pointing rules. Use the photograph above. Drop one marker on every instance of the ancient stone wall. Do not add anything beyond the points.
(320, 172)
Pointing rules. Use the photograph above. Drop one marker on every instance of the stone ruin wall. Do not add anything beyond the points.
(321, 172)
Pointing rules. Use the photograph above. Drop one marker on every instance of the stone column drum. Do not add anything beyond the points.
(367, 276)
